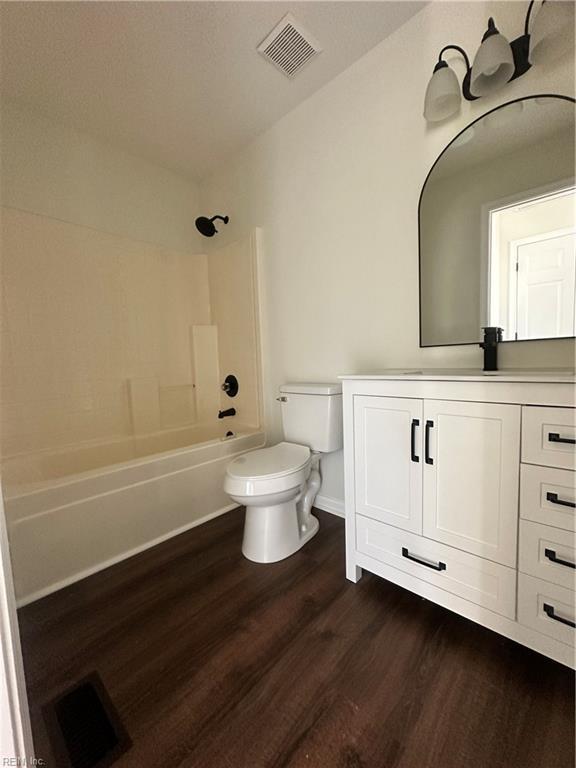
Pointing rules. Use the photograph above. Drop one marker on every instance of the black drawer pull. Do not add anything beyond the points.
(427, 458)
(551, 555)
(549, 611)
(415, 423)
(434, 566)
(554, 437)
(553, 498)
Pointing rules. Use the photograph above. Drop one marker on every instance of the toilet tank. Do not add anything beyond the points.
(312, 415)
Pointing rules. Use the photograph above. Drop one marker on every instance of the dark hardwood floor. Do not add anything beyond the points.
(216, 662)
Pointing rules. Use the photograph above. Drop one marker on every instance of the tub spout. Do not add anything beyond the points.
(228, 412)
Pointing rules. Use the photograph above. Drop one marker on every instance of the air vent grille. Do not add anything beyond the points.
(289, 46)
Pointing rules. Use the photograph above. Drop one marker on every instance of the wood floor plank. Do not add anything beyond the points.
(216, 662)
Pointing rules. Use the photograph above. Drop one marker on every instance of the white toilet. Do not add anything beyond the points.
(278, 485)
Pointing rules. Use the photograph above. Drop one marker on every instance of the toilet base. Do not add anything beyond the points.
(272, 533)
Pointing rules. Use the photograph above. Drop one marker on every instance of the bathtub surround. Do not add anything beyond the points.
(113, 354)
(117, 333)
(95, 334)
(340, 298)
(104, 398)
(233, 278)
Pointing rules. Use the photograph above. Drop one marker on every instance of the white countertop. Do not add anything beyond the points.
(560, 376)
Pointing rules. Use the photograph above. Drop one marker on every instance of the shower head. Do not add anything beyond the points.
(206, 226)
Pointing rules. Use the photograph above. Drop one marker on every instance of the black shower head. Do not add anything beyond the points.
(206, 226)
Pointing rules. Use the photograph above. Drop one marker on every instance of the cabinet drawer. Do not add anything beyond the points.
(547, 553)
(546, 608)
(480, 581)
(548, 436)
(548, 496)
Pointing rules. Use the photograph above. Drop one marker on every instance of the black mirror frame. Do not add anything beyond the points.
(434, 164)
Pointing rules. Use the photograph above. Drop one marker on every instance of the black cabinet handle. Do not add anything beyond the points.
(551, 555)
(427, 458)
(554, 437)
(549, 611)
(553, 498)
(415, 423)
(434, 566)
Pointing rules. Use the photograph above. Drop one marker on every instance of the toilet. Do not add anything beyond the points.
(278, 485)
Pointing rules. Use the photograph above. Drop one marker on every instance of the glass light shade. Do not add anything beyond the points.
(493, 65)
(552, 33)
(442, 95)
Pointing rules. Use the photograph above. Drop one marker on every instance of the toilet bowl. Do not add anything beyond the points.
(278, 485)
(272, 483)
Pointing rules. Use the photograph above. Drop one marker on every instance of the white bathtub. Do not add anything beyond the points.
(82, 509)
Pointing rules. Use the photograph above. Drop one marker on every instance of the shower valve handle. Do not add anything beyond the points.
(230, 385)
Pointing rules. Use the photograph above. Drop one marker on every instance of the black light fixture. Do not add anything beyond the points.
(206, 226)
(497, 60)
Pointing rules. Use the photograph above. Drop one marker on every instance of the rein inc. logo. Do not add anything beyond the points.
(23, 762)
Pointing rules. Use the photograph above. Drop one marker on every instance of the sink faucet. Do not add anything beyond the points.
(492, 337)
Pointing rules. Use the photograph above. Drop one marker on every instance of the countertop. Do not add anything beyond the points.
(560, 376)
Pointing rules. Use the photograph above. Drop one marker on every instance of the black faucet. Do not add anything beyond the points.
(228, 412)
(492, 337)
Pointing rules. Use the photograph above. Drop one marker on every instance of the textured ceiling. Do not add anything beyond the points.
(180, 83)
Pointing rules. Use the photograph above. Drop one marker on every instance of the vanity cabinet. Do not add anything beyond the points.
(446, 469)
(461, 488)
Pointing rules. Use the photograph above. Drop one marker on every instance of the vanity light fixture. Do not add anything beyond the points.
(497, 60)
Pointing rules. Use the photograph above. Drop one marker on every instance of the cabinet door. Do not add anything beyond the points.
(471, 467)
(388, 460)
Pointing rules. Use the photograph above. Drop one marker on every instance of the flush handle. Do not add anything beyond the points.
(282, 399)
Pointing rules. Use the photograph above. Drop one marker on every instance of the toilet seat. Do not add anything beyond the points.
(268, 470)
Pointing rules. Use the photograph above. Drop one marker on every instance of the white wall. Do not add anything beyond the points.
(335, 187)
(53, 170)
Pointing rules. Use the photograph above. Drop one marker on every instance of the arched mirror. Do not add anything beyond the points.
(497, 227)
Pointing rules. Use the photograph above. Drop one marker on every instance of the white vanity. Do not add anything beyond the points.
(461, 488)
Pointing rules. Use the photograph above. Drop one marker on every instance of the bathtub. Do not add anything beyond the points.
(77, 510)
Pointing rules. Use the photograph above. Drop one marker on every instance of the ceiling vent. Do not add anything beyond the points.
(289, 46)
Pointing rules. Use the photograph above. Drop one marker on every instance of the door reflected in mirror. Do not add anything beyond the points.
(497, 224)
(533, 267)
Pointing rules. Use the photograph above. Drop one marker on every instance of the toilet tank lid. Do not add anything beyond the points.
(312, 388)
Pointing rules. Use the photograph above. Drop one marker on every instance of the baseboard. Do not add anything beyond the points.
(118, 558)
(328, 504)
